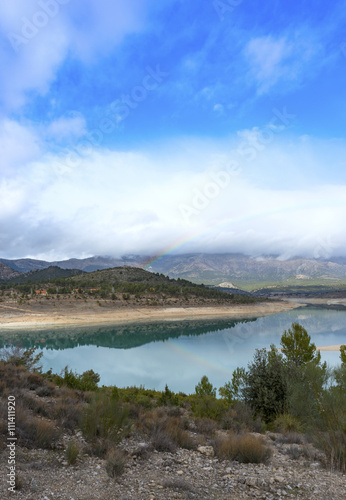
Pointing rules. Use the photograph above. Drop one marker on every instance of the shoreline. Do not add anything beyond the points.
(329, 348)
(46, 320)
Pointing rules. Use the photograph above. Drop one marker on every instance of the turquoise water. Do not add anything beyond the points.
(179, 354)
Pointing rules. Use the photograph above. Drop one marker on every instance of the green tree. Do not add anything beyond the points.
(343, 354)
(297, 346)
(232, 391)
(205, 388)
(265, 389)
(25, 357)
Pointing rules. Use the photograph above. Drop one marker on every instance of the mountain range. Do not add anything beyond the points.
(236, 270)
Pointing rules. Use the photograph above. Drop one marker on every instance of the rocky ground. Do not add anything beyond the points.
(293, 472)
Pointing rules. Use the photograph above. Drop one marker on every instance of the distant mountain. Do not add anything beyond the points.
(213, 269)
(89, 264)
(6, 272)
(43, 275)
(241, 269)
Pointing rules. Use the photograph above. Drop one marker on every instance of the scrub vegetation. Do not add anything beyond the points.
(117, 286)
(287, 391)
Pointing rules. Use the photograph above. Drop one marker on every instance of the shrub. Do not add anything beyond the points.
(35, 381)
(35, 405)
(205, 426)
(243, 448)
(87, 381)
(72, 452)
(43, 434)
(208, 407)
(294, 452)
(115, 463)
(21, 357)
(68, 413)
(174, 411)
(19, 484)
(105, 418)
(45, 391)
(166, 433)
(178, 484)
(168, 398)
(292, 438)
(162, 440)
(239, 418)
(287, 423)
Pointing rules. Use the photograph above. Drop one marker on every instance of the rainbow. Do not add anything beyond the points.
(192, 357)
(177, 245)
(188, 238)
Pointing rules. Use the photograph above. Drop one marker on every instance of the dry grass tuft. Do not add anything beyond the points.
(116, 461)
(243, 448)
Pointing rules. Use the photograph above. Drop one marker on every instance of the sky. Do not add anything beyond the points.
(149, 127)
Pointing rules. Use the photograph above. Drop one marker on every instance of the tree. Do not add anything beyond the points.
(265, 389)
(205, 388)
(343, 354)
(19, 356)
(232, 391)
(297, 346)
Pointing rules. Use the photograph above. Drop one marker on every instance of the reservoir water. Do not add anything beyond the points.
(178, 354)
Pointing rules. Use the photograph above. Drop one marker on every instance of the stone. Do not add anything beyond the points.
(206, 450)
(279, 479)
(251, 481)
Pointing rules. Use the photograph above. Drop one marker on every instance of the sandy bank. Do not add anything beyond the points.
(25, 319)
(329, 348)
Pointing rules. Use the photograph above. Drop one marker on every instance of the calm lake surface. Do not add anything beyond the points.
(179, 354)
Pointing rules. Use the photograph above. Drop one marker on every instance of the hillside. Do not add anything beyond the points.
(43, 276)
(6, 272)
(242, 271)
(138, 282)
(89, 264)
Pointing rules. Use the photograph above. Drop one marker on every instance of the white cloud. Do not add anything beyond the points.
(67, 127)
(282, 59)
(18, 145)
(115, 202)
(34, 43)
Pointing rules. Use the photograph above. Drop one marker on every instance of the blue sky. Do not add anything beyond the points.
(139, 126)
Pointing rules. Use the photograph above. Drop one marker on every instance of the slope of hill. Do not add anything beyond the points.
(89, 264)
(137, 281)
(43, 276)
(6, 272)
(26, 265)
(127, 274)
(241, 270)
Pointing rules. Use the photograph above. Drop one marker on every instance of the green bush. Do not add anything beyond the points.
(105, 418)
(72, 452)
(87, 381)
(208, 407)
(287, 423)
(168, 398)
